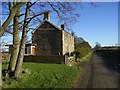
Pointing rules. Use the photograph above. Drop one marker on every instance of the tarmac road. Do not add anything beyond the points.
(101, 72)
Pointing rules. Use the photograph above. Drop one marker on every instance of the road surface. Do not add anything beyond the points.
(101, 72)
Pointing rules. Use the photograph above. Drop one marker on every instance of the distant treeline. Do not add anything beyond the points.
(110, 48)
(109, 52)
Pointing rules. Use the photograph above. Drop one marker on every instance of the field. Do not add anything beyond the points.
(38, 75)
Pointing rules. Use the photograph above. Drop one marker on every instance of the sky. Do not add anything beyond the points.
(96, 24)
(99, 24)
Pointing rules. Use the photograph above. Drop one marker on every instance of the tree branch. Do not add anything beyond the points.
(32, 4)
(36, 16)
(10, 17)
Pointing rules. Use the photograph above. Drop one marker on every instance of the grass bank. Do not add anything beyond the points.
(38, 75)
(86, 58)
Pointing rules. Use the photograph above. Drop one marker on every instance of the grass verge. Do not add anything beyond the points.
(86, 58)
(39, 75)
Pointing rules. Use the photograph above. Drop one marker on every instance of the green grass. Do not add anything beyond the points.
(87, 57)
(45, 76)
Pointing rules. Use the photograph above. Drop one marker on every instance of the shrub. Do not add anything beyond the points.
(83, 48)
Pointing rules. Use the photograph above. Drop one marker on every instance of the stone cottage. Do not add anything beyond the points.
(49, 39)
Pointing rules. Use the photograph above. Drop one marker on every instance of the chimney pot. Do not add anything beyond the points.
(62, 26)
(47, 16)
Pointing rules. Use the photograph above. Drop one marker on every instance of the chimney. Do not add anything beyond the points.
(47, 16)
(62, 26)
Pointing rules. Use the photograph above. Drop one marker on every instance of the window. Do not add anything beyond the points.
(28, 50)
(25, 50)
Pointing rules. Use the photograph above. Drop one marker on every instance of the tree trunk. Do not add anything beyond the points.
(10, 17)
(16, 43)
(23, 42)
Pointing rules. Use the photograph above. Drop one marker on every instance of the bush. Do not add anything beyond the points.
(77, 54)
(83, 48)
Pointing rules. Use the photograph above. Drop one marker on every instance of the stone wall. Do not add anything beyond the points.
(58, 59)
(70, 60)
(50, 40)
(47, 40)
(68, 42)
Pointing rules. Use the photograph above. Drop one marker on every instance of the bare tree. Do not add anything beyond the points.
(97, 46)
(16, 41)
(64, 11)
(13, 11)
(23, 41)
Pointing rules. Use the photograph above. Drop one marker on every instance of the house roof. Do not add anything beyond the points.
(49, 23)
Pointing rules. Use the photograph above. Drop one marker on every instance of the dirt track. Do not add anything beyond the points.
(101, 72)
